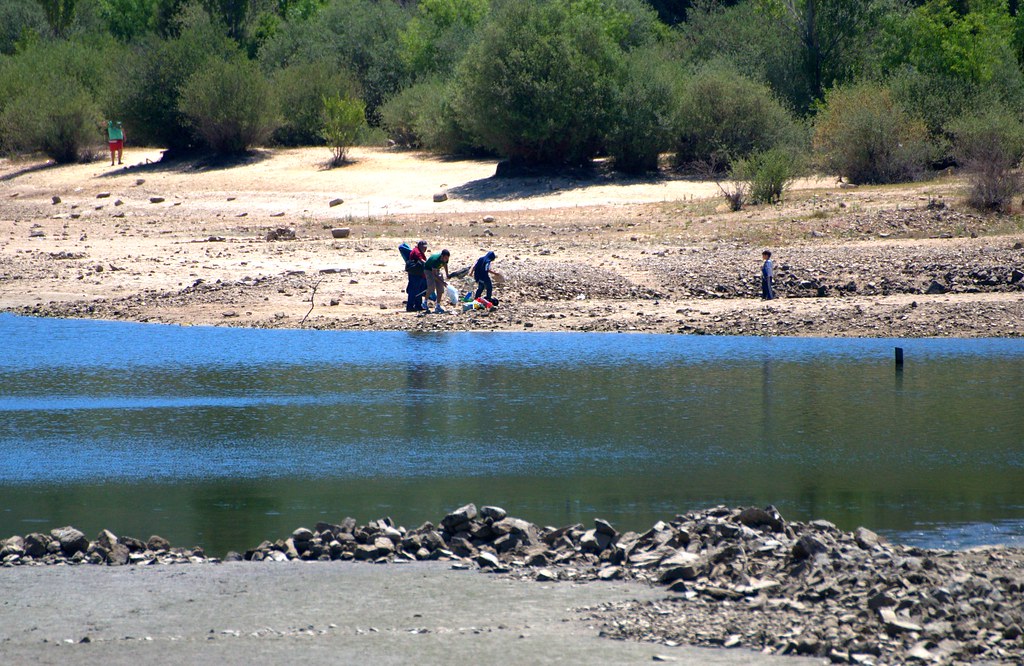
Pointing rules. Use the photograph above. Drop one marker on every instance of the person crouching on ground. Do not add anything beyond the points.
(115, 140)
(767, 276)
(436, 282)
(482, 275)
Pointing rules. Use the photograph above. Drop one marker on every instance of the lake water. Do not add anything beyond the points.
(224, 437)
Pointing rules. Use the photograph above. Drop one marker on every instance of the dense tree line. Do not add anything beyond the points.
(873, 90)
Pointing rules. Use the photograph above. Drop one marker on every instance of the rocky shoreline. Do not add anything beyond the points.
(733, 577)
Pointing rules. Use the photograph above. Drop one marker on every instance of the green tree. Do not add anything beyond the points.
(154, 77)
(943, 63)
(358, 36)
(59, 15)
(301, 90)
(863, 134)
(830, 35)
(129, 19)
(51, 98)
(230, 105)
(343, 119)
(538, 85)
(722, 116)
(20, 21)
(642, 119)
(990, 145)
(438, 34)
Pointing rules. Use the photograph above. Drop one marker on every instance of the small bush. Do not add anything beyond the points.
(722, 116)
(768, 174)
(300, 91)
(862, 134)
(990, 146)
(229, 103)
(343, 118)
(421, 116)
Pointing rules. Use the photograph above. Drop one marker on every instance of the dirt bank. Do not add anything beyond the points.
(187, 243)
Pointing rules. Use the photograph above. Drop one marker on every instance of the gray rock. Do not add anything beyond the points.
(335, 202)
(302, 535)
(936, 288)
(487, 560)
(340, 232)
(71, 541)
(118, 555)
(494, 513)
(157, 543)
(106, 539)
(440, 196)
(36, 543)
(456, 519)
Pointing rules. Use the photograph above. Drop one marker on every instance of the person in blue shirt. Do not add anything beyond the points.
(482, 275)
(767, 276)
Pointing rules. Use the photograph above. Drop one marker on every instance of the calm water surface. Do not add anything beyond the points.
(225, 437)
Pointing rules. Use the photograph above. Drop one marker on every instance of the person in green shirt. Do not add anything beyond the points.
(436, 282)
(115, 140)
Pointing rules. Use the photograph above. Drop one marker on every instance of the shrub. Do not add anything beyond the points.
(421, 116)
(50, 99)
(722, 116)
(768, 174)
(300, 91)
(538, 85)
(151, 94)
(20, 20)
(642, 118)
(990, 146)
(356, 36)
(229, 104)
(862, 134)
(343, 118)
(62, 121)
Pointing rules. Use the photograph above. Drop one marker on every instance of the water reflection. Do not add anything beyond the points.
(217, 437)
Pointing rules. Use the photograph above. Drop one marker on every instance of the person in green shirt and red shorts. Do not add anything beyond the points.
(115, 139)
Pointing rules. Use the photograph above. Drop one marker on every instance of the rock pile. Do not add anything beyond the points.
(734, 577)
(67, 545)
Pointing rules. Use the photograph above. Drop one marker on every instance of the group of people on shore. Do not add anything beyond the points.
(429, 276)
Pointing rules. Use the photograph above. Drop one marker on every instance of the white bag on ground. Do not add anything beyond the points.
(452, 293)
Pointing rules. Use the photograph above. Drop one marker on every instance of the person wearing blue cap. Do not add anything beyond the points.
(482, 275)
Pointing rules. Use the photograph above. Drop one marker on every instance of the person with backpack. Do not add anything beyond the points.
(482, 275)
(436, 283)
(416, 289)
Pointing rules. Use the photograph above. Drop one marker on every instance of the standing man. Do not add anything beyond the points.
(767, 276)
(436, 283)
(115, 140)
(482, 275)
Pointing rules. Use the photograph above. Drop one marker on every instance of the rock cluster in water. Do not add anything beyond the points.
(735, 577)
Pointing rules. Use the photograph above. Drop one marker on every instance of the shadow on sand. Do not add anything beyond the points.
(192, 163)
(538, 182)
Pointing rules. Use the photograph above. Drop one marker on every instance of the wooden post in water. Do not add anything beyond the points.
(899, 359)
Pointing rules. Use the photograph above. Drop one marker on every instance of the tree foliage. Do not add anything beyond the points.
(862, 134)
(230, 106)
(343, 118)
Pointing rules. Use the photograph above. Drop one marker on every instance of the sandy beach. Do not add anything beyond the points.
(187, 243)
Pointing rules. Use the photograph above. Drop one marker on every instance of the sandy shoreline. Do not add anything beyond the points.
(602, 254)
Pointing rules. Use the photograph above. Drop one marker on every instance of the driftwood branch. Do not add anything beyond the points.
(312, 301)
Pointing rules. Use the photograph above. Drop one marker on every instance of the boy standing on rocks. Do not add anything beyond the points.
(767, 276)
